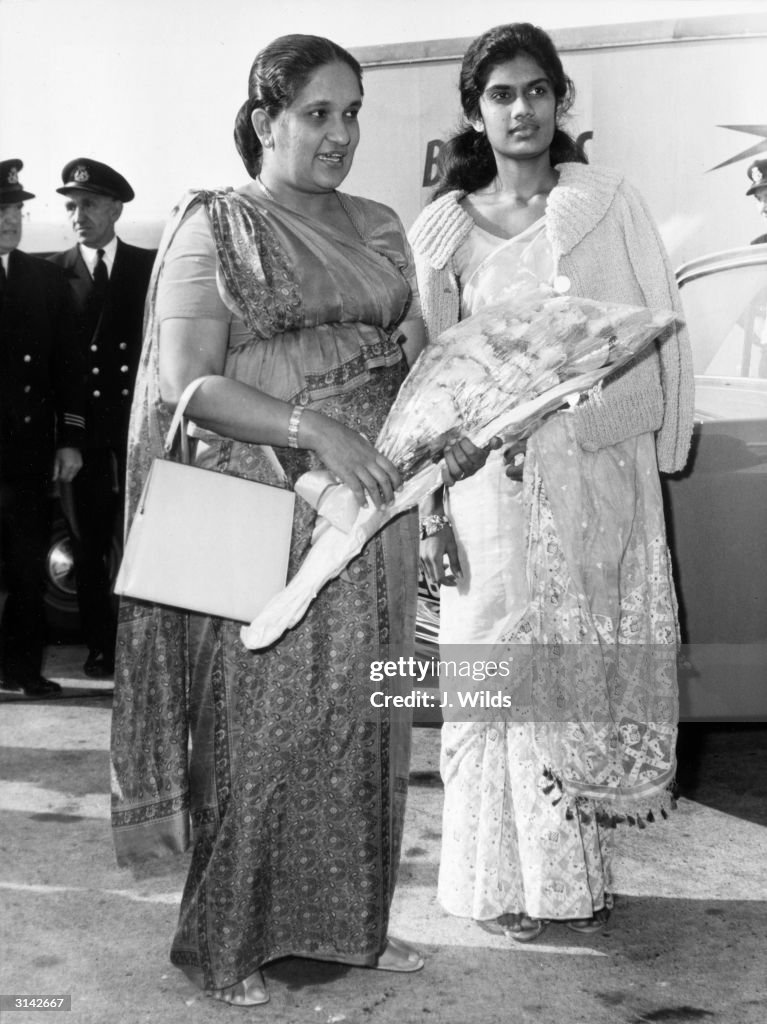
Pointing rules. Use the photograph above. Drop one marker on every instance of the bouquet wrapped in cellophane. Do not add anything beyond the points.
(498, 373)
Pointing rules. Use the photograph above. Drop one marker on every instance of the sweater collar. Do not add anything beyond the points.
(576, 204)
(441, 228)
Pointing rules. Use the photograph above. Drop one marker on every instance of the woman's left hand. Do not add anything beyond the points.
(439, 558)
(463, 458)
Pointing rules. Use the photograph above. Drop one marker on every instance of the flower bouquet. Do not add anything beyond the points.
(498, 373)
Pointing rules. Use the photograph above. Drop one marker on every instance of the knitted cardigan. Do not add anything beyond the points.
(605, 241)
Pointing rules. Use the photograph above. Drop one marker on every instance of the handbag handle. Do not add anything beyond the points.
(178, 416)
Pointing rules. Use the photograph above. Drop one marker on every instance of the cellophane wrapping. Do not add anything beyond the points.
(497, 373)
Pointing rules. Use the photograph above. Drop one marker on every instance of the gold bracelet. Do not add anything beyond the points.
(293, 422)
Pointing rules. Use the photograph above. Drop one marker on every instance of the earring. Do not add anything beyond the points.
(268, 142)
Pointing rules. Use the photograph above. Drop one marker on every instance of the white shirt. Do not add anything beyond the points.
(91, 256)
(4, 260)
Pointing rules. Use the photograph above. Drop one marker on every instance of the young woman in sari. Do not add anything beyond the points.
(574, 559)
(299, 304)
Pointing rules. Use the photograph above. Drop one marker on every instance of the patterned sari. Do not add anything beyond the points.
(294, 786)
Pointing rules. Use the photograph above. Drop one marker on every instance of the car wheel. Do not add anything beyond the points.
(62, 614)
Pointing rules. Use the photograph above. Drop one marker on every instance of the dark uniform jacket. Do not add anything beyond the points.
(109, 338)
(42, 383)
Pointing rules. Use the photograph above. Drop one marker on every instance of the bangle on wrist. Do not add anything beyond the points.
(429, 525)
(293, 422)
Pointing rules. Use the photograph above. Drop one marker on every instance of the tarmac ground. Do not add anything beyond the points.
(685, 943)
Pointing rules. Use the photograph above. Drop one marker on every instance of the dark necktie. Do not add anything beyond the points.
(100, 275)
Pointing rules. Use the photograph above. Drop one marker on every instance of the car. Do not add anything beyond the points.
(716, 508)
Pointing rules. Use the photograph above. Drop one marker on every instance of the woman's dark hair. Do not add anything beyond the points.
(466, 160)
(279, 73)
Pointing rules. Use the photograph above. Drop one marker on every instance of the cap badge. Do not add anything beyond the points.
(81, 174)
(13, 176)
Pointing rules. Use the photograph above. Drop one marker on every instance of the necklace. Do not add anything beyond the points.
(266, 191)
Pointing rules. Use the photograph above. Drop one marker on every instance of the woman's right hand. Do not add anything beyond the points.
(439, 558)
(351, 458)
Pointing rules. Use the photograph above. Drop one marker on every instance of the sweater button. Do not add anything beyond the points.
(561, 284)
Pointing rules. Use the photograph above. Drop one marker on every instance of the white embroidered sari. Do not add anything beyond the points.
(573, 560)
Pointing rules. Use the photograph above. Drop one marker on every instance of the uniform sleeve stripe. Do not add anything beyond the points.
(72, 420)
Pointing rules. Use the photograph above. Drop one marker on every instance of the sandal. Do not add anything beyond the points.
(399, 956)
(251, 991)
(521, 927)
(495, 925)
(590, 925)
(527, 929)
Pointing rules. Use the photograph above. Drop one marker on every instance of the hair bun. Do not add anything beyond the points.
(247, 142)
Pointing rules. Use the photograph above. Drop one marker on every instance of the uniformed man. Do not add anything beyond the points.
(108, 280)
(757, 176)
(42, 406)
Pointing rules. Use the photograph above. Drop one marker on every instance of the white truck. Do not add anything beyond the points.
(679, 106)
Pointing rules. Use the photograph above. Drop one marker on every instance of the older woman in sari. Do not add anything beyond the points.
(299, 304)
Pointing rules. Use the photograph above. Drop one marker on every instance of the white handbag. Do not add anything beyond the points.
(206, 541)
